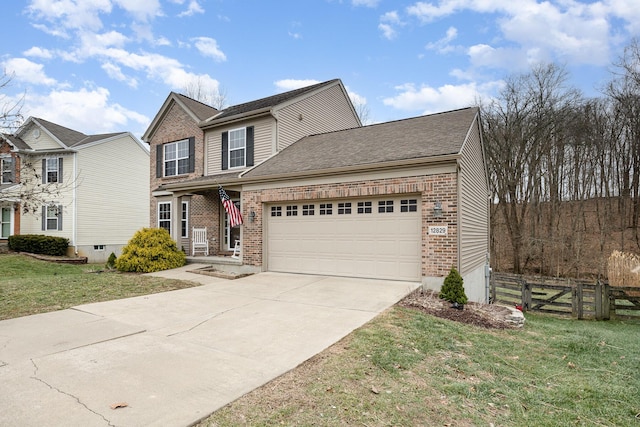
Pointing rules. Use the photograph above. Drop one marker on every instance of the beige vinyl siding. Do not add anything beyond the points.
(31, 223)
(322, 112)
(112, 192)
(262, 143)
(474, 207)
(43, 142)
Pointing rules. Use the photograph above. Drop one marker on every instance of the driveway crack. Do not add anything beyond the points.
(210, 318)
(35, 377)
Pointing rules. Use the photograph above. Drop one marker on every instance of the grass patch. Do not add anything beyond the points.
(30, 286)
(409, 368)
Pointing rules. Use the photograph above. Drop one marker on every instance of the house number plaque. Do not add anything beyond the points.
(438, 230)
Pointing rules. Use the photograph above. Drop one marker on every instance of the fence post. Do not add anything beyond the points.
(580, 300)
(606, 290)
(598, 300)
(492, 289)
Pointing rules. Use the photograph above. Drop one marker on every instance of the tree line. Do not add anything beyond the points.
(564, 170)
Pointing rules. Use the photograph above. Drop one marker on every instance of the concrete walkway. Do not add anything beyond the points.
(173, 358)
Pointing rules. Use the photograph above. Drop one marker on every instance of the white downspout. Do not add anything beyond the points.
(75, 203)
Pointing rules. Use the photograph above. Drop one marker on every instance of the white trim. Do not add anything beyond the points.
(177, 159)
(244, 147)
(158, 215)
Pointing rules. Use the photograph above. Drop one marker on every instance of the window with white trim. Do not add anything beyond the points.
(385, 206)
(5, 223)
(344, 208)
(8, 176)
(52, 170)
(364, 207)
(53, 217)
(164, 216)
(176, 158)
(409, 205)
(237, 148)
(184, 220)
(326, 208)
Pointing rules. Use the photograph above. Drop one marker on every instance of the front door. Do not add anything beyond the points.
(231, 234)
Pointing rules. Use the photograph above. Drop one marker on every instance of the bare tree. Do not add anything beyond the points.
(197, 89)
(11, 111)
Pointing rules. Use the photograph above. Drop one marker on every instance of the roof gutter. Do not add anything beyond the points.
(210, 123)
(397, 164)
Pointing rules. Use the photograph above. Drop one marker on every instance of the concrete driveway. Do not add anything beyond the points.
(174, 358)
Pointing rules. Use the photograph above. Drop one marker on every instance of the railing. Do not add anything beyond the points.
(566, 297)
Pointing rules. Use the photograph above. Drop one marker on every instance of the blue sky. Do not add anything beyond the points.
(108, 65)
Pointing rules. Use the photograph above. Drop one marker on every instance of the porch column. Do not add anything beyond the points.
(176, 216)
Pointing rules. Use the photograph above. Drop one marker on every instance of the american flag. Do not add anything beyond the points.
(235, 217)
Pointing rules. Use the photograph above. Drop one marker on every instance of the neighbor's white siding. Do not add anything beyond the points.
(42, 142)
(31, 223)
(474, 203)
(326, 111)
(263, 129)
(112, 192)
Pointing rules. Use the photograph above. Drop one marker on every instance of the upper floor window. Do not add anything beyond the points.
(8, 170)
(237, 148)
(52, 170)
(175, 158)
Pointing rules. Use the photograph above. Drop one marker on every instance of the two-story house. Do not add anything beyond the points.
(91, 189)
(322, 194)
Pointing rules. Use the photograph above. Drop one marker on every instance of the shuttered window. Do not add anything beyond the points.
(237, 148)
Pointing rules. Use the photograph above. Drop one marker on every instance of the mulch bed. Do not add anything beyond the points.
(488, 316)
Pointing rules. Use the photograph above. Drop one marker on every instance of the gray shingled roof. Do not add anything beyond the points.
(201, 111)
(17, 142)
(270, 101)
(70, 137)
(420, 137)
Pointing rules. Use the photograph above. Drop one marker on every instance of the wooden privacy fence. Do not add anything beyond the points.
(569, 297)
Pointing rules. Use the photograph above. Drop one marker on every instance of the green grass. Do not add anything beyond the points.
(409, 368)
(31, 286)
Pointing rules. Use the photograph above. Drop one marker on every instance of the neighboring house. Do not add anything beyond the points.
(321, 194)
(98, 186)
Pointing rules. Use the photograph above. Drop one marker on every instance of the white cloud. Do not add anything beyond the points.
(291, 84)
(38, 52)
(209, 47)
(88, 111)
(367, 3)
(443, 45)
(70, 13)
(27, 71)
(116, 73)
(193, 8)
(388, 21)
(426, 99)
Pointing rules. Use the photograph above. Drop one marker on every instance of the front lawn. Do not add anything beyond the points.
(31, 286)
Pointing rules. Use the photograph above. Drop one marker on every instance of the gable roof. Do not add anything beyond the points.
(267, 103)
(72, 138)
(197, 110)
(432, 136)
(16, 142)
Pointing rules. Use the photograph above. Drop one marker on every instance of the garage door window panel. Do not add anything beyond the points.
(385, 206)
(308, 210)
(326, 208)
(364, 207)
(292, 210)
(344, 208)
(409, 205)
(276, 210)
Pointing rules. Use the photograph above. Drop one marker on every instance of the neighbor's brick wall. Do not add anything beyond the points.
(439, 253)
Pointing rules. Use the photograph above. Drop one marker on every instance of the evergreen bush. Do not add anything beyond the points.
(453, 288)
(111, 262)
(149, 250)
(39, 244)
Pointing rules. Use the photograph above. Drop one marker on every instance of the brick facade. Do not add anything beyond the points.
(439, 253)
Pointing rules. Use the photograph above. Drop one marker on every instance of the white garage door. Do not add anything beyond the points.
(377, 238)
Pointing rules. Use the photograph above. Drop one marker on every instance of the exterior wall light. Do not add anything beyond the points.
(252, 216)
(437, 209)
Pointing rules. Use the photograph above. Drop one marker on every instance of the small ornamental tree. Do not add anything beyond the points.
(149, 250)
(453, 290)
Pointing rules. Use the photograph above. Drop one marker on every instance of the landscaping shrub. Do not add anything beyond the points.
(149, 250)
(111, 261)
(453, 290)
(39, 244)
